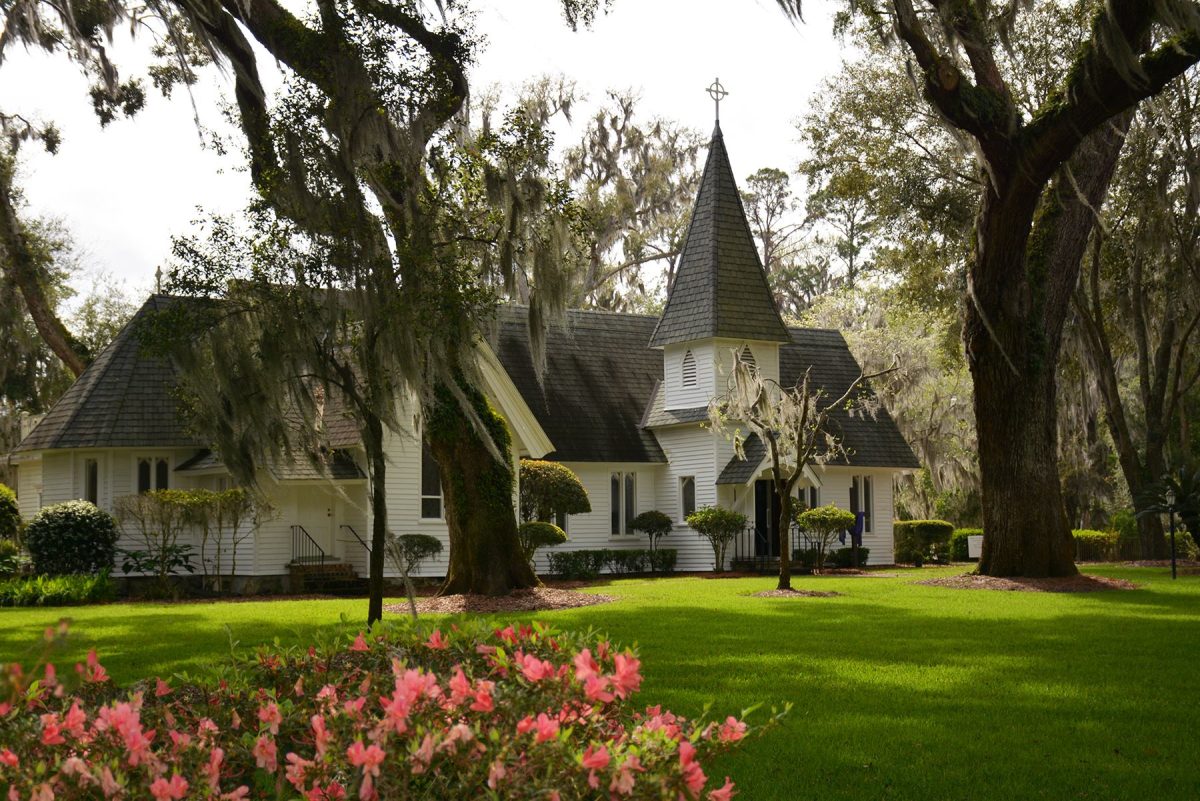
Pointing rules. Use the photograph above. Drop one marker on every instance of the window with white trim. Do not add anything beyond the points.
(689, 369)
(814, 497)
(153, 473)
(687, 496)
(622, 501)
(862, 499)
(431, 487)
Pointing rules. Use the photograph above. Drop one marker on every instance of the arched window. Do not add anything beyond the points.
(689, 369)
(746, 357)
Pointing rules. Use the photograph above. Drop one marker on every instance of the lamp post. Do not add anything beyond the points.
(1171, 513)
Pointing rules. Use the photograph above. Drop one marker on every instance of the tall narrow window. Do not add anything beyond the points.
(153, 473)
(855, 493)
(862, 499)
(689, 369)
(687, 496)
(431, 487)
(615, 502)
(91, 481)
(814, 498)
(622, 501)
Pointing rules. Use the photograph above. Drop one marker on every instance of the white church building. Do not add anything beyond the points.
(622, 402)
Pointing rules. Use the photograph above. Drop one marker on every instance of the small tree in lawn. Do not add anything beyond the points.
(548, 489)
(824, 524)
(654, 524)
(719, 526)
(793, 422)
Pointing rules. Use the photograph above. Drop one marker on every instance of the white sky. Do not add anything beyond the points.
(153, 174)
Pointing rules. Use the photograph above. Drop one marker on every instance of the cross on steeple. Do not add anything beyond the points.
(717, 92)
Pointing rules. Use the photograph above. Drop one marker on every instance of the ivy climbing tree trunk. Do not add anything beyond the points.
(373, 440)
(477, 490)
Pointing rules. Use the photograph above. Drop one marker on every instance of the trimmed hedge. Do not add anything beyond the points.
(71, 537)
(1095, 546)
(56, 590)
(590, 564)
(959, 551)
(10, 515)
(919, 541)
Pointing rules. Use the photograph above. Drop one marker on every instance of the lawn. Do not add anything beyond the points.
(899, 691)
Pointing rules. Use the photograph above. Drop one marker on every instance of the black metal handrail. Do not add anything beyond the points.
(305, 549)
(361, 541)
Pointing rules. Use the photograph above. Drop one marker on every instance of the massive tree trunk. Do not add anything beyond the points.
(1029, 244)
(477, 490)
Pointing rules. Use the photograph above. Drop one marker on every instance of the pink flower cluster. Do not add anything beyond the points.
(528, 712)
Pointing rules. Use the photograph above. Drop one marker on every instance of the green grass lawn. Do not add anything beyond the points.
(899, 691)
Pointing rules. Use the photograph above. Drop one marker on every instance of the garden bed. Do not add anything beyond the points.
(796, 594)
(1080, 583)
(537, 599)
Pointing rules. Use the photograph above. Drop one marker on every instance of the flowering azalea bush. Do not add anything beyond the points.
(402, 712)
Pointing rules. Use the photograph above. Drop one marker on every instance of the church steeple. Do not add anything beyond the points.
(720, 288)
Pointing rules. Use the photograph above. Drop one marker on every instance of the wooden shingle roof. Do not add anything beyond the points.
(720, 288)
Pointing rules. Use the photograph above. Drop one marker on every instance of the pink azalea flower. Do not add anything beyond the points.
(320, 734)
(95, 672)
(271, 716)
(595, 689)
(626, 679)
(423, 755)
(369, 758)
(169, 790)
(547, 728)
(51, 676)
(239, 794)
(298, 688)
(585, 666)
(75, 720)
(43, 792)
(724, 792)
(622, 783)
(295, 769)
(693, 776)
(483, 696)
(212, 769)
(534, 669)
(731, 730)
(265, 753)
(496, 774)
(525, 725)
(460, 687)
(161, 688)
(51, 732)
(360, 643)
(8, 758)
(595, 759)
(436, 641)
(108, 783)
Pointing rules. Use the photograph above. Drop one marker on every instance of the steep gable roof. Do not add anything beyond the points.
(123, 399)
(720, 288)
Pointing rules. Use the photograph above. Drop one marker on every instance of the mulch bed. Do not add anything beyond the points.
(1188, 563)
(539, 599)
(795, 594)
(1080, 583)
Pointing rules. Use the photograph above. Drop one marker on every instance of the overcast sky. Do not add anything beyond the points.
(126, 190)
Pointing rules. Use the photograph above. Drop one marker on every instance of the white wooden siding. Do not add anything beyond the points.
(677, 396)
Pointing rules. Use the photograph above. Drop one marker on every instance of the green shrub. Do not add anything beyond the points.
(844, 557)
(919, 541)
(1185, 545)
(1094, 546)
(959, 551)
(805, 558)
(12, 560)
(628, 560)
(57, 590)
(536, 534)
(408, 551)
(654, 524)
(71, 537)
(583, 565)
(823, 525)
(10, 515)
(548, 489)
(662, 560)
(719, 526)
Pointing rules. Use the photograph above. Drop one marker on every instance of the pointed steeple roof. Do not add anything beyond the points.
(720, 287)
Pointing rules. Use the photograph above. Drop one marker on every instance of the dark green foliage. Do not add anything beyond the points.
(408, 551)
(919, 541)
(844, 557)
(654, 524)
(958, 543)
(1185, 545)
(11, 558)
(719, 526)
(65, 590)
(170, 558)
(549, 489)
(822, 526)
(538, 534)
(71, 537)
(1095, 546)
(10, 516)
(622, 561)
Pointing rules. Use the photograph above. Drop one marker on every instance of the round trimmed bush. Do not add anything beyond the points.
(71, 537)
(548, 489)
(10, 515)
(408, 551)
(654, 524)
(539, 534)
